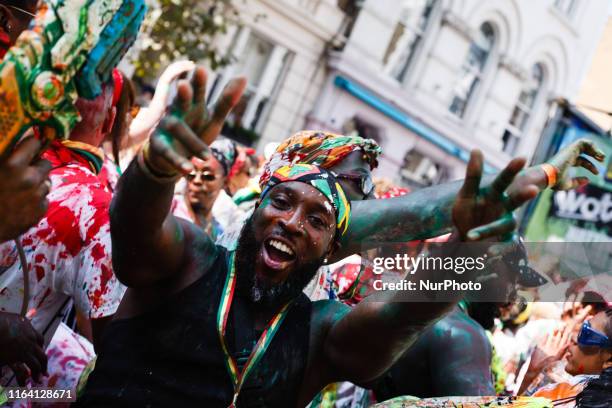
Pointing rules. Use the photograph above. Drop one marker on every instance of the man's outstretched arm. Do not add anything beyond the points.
(426, 213)
(148, 241)
(366, 342)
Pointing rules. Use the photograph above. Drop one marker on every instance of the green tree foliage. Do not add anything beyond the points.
(179, 29)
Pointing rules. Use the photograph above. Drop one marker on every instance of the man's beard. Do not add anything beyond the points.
(264, 293)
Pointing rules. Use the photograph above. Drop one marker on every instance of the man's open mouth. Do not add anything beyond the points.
(278, 253)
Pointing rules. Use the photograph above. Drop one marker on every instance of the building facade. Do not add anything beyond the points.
(433, 79)
(282, 50)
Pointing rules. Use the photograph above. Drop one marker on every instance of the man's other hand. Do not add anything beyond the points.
(480, 213)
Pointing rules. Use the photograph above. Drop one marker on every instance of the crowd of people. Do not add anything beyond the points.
(149, 261)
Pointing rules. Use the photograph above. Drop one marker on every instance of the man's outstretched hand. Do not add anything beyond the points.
(513, 187)
(573, 156)
(480, 213)
(188, 128)
(24, 185)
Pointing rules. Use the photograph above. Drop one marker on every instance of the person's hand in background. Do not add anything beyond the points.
(148, 117)
(21, 348)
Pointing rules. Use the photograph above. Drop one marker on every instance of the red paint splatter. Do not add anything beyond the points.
(40, 272)
(64, 223)
(100, 201)
(105, 277)
(64, 361)
(53, 352)
(97, 252)
(43, 234)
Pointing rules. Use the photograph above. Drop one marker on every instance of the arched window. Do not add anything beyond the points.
(264, 63)
(472, 69)
(407, 37)
(523, 109)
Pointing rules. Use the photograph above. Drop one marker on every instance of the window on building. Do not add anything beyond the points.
(263, 63)
(358, 126)
(472, 69)
(420, 171)
(523, 110)
(567, 7)
(407, 37)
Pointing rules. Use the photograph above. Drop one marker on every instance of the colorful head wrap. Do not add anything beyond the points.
(322, 149)
(225, 151)
(320, 179)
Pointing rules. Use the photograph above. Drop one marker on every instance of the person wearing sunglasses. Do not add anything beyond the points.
(359, 182)
(592, 350)
(204, 197)
(588, 355)
(204, 184)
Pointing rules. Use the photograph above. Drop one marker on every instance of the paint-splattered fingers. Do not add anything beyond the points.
(229, 98)
(505, 178)
(499, 227)
(473, 175)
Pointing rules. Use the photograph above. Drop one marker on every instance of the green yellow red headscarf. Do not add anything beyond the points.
(322, 149)
(320, 179)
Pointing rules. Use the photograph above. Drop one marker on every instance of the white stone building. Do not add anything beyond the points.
(432, 79)
(282, 49)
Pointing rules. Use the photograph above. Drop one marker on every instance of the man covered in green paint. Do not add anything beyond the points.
(465, 367)
(201, 325)
(419, 215)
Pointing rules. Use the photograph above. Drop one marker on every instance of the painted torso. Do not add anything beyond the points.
(453, 357)
(171, 355)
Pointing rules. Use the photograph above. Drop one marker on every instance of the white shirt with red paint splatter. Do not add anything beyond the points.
(69, 251)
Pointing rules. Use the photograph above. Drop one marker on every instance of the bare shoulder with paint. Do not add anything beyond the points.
(199, 254)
